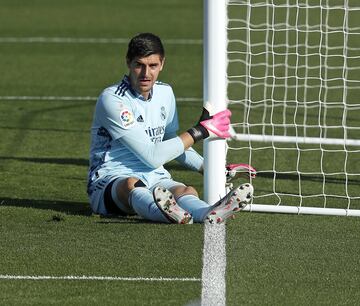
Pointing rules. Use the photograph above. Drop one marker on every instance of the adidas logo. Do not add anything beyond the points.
(140, 119)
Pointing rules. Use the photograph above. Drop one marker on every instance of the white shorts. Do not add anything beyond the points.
(101, 190)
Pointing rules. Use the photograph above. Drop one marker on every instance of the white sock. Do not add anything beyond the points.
(142, 201)
(196, 207)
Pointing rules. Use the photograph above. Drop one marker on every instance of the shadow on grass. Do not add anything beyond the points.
(50, 160)
(44, 129)
(69, 208)
(121, 219)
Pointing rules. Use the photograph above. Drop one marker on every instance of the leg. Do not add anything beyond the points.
(104, 199)
(234, 201)
(142, 201)
(167, 204)
(121, 190)
(182, 190)
(225, 208)
(186, 197)
(131, 194)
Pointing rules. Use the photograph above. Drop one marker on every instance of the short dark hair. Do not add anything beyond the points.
(144, 44)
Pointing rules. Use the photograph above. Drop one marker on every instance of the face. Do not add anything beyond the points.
(143, 72)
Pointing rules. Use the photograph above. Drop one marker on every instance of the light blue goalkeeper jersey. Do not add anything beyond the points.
(127, 132)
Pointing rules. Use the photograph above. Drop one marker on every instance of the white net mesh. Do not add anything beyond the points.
(294, 88)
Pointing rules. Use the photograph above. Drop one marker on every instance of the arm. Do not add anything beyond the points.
(118, 119)
(152, 154)
(155, 155)
(190, 158)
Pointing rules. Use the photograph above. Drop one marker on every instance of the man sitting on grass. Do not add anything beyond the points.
(134, 134)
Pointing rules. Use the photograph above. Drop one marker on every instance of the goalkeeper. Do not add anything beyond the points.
(134, 133)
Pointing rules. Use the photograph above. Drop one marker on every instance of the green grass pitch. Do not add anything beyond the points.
(46, 227)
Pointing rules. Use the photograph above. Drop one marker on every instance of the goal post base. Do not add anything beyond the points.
(299, 210)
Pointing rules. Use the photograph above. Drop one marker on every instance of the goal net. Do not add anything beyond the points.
(294, 90)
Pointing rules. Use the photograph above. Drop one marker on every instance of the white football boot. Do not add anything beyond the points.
(165, 200)
(234, 201)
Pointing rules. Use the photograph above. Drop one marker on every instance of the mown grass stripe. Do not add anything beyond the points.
(72, 98)
(91, 40)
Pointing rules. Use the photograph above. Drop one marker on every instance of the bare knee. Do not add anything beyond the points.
(179, 191)
(130, 182)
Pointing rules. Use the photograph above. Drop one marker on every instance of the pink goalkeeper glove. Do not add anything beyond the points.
(211, 126)
(234, 171)
(218, 125)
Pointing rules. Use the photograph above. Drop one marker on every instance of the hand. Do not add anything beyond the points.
(216, 126)
(235, 171)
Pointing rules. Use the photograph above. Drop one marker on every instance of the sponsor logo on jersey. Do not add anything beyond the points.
(140, 119)
(156, 134)
(126, 118)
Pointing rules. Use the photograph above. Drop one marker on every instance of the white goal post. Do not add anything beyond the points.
(215, 94)
(292, 77)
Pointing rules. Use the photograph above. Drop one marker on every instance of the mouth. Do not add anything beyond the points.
(145, 81)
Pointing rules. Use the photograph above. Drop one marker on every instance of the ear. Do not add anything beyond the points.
(162, 63)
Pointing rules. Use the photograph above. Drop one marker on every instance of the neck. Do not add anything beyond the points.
(145, 95)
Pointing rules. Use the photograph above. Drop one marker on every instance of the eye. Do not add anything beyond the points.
(137, 65)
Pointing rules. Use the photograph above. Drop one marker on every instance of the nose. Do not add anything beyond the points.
(145, 71)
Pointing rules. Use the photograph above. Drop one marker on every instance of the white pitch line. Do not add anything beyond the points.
(75, 98)
(91, 40)
(214, 266)
(101, 278)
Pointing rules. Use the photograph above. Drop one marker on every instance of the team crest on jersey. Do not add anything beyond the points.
(126, 118)
(163, 113)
